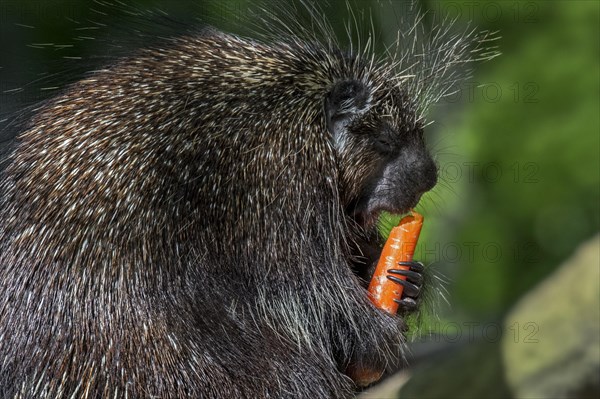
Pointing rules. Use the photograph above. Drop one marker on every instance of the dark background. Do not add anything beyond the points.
(518, 149)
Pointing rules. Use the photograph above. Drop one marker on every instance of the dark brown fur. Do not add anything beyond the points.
(182, 224)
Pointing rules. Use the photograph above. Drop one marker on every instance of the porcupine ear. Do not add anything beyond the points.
(346, 100)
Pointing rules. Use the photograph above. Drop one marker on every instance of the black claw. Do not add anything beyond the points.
(406, 305)
(413, 265)
(414, 277)
(410, 289)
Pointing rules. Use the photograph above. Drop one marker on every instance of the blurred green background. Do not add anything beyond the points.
(513, 226)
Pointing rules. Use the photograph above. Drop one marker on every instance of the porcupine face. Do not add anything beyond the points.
(384, 163)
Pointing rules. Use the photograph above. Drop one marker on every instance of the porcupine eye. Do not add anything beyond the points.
(345, 101)
(383, 140)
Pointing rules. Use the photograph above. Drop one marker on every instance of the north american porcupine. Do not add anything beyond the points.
(183, 223)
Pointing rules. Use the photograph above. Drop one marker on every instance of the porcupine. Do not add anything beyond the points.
(199, 219)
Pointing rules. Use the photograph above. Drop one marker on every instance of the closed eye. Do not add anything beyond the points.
(384, 139)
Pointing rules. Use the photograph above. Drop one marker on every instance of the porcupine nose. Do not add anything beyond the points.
(421, 170)
(428, 178)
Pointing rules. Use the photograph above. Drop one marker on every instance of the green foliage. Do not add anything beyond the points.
(528, 182)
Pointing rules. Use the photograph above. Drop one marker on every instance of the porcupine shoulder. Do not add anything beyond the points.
(182, 223)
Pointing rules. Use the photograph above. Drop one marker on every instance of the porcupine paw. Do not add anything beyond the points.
(412, 285)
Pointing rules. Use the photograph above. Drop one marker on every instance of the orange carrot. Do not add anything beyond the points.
(399, 247)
